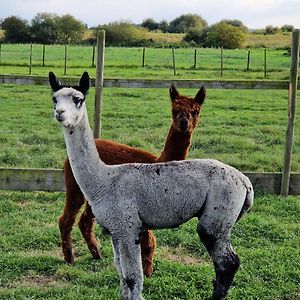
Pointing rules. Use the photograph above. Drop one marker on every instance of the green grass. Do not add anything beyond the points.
(126, 62)
(31, 264)
(244, 128)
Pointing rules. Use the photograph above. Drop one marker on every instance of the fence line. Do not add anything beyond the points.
(52, 180)
(40, 59)
(156, 83)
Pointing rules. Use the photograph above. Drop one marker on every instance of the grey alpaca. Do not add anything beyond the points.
(127, 199)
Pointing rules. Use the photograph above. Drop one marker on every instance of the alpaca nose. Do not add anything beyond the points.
(184, 124)
(58, 114)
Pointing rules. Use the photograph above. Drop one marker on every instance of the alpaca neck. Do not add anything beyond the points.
(176, 146)
(85, 162)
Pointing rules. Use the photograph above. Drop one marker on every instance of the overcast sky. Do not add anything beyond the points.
(253, 13)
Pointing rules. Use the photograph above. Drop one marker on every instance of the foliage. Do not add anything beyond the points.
(16, 30)
(186, 22)
(287, 28)
(44, 28)
(224, 35)
(150, 24)
(236, 23)
(122, 34)
(271, 29)
(70, 30)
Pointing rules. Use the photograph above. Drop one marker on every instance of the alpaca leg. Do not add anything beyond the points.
(148, 242)
(86, 226)
(66, 221)
(130, 262)
(125, 291)
(225, 260)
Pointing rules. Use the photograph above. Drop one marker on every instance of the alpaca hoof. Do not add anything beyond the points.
(96, 255)
(69, 259)
(148, 271)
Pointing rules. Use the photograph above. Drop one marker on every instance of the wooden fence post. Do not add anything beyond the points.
(195, 59)
(248, 60)
(30, 59)
(99, 83)
(174, 63)
(93, 56)
(265, 62)
(0, 54)
(66, 54)
(222, 61)
(286, 172)
(143, 57)
(44, 51)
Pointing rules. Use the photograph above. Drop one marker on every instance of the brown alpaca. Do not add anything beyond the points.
(185, 115)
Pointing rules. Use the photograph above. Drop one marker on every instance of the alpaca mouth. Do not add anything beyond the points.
(59, 118)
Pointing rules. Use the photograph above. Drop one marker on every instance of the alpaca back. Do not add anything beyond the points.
(168, 194)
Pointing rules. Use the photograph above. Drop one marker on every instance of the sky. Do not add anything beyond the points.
(253, 13)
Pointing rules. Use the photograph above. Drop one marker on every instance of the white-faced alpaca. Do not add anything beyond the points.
(127, 199)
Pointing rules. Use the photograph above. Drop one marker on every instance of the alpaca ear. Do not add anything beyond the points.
(199, 98)
(84, 83)
(54, 83)
(173, 92)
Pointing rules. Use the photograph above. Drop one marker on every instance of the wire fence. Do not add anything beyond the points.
(186, 62)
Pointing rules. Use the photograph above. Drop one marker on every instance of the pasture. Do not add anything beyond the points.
(127, 62)
(244, 128)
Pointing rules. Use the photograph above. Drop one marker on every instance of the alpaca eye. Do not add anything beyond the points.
(194, 113)
(76, 100)
(54, 100)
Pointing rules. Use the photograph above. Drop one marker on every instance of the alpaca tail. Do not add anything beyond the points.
(249, 196)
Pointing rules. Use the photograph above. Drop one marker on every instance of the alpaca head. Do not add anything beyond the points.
(69, 101)
(186, 110)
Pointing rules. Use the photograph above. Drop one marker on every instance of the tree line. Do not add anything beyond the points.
(46, 28)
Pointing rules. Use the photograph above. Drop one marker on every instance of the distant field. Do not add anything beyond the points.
(127, 62)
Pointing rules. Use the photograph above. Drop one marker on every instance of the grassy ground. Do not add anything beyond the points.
(31, 265)
(243, 128)
(126, 62)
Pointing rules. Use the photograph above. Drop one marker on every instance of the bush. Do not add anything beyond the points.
(186, 22)
(122, 34)
(224, 35)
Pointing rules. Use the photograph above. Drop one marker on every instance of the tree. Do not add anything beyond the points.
(121, 34)
(44, 28)
(150, 24)
(236, 23)
(196, 35)
(224, 35)
(70, 30)
(271, 29)
(185, 22)
(287, 28)
(16, 30)
(163, 26)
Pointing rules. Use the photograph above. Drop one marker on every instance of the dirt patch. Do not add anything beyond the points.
(180, 255)
(37, 281)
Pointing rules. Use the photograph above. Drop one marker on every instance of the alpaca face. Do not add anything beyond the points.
(69, 105)
(69, 102)
(186, 110)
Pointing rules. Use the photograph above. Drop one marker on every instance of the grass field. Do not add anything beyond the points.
(31, 265)
(126, 62)
(243, 128)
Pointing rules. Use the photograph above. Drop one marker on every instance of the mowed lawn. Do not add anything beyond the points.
(31, 265)
(241, 127)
